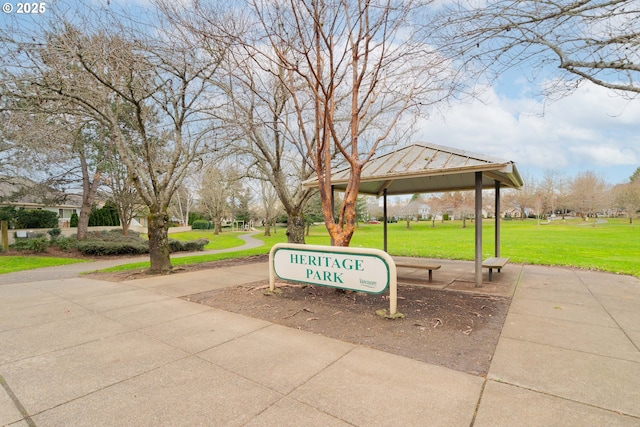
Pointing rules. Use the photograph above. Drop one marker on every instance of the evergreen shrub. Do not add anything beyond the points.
(201, 225)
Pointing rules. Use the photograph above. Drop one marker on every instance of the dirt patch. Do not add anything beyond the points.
(450, 328)
(454, 329)
(141, 273)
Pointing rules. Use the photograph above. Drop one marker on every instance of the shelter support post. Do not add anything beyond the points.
(384, 214)
(478, 223)
(497, 219)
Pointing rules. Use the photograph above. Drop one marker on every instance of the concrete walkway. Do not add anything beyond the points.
(83, 352)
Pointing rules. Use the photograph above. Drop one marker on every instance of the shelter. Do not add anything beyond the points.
(431, 168)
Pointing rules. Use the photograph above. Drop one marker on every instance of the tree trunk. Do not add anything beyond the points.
(464, 221)
(83, 219)
(89, 186)
(295, 227)
(125, 220)
(408, 222)
(217, 227)
(159, 242)
(267, 229)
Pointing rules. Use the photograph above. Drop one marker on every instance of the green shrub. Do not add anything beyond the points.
(65, 243)
(73, 221)
(8, 213)
(187, 246)
(105, 216)
(201, 225)
(39, 245)
(194, 216)
(102, 248)
(113, 242)
(54, 233)
(36, 218)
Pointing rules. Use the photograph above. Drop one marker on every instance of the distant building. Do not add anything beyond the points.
(25, 193)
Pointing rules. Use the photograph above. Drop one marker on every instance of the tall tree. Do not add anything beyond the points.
(523, 198)
(270, 205)
(354, 72)
(588, 193)
(343, 79)
(118, 66)
(627, 196)
(217, 185)
(182, 204)
(550, 191)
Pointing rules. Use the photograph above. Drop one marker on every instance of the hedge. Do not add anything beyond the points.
(201, 225)
(187, 246)
(36, 218)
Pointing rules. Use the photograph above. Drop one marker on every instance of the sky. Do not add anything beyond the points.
(592, 129)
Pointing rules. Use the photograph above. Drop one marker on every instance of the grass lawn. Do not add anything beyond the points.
(9, 264)
(224, 240)
(612, 245)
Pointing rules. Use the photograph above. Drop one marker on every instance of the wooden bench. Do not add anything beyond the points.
(494, 262)
(424, 265)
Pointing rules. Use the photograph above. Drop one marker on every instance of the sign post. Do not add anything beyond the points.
(357, 269)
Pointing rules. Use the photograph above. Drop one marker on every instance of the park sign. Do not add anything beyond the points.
(357, 269)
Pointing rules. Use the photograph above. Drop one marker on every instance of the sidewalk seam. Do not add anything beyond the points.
(23, 411)
(607, 311)
(475, 412)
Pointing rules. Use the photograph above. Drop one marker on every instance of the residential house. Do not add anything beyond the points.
(24, 193)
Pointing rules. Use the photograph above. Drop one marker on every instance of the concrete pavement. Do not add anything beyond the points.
(77, 351)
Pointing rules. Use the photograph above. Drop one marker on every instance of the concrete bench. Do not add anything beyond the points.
(494, 262)
(426, 265)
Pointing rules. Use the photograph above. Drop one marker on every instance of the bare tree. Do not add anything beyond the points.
(217, 185)
(270, 205)
(120, 67)
(436, 206)
(54, 145)
(524, 198)
(182, 203)
(121, 192)
(588, 193)
(355, 72)
(627, 197)
(594, 40)
(550, 191)
(343, 77)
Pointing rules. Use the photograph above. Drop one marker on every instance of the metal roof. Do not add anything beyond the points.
(427, 168)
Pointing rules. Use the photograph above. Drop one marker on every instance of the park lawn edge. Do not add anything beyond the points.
(35, 262)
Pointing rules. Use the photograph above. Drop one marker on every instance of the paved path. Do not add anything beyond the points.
(84, 352)
(73, 270)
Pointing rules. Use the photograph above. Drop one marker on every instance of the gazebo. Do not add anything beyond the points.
(431, 168)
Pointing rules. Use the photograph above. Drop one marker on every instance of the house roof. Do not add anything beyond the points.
(19, 191)
(427, 168)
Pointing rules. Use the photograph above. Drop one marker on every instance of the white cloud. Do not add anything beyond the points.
(589, 130)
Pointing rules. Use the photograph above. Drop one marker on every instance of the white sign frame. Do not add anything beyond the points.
(358, 269)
